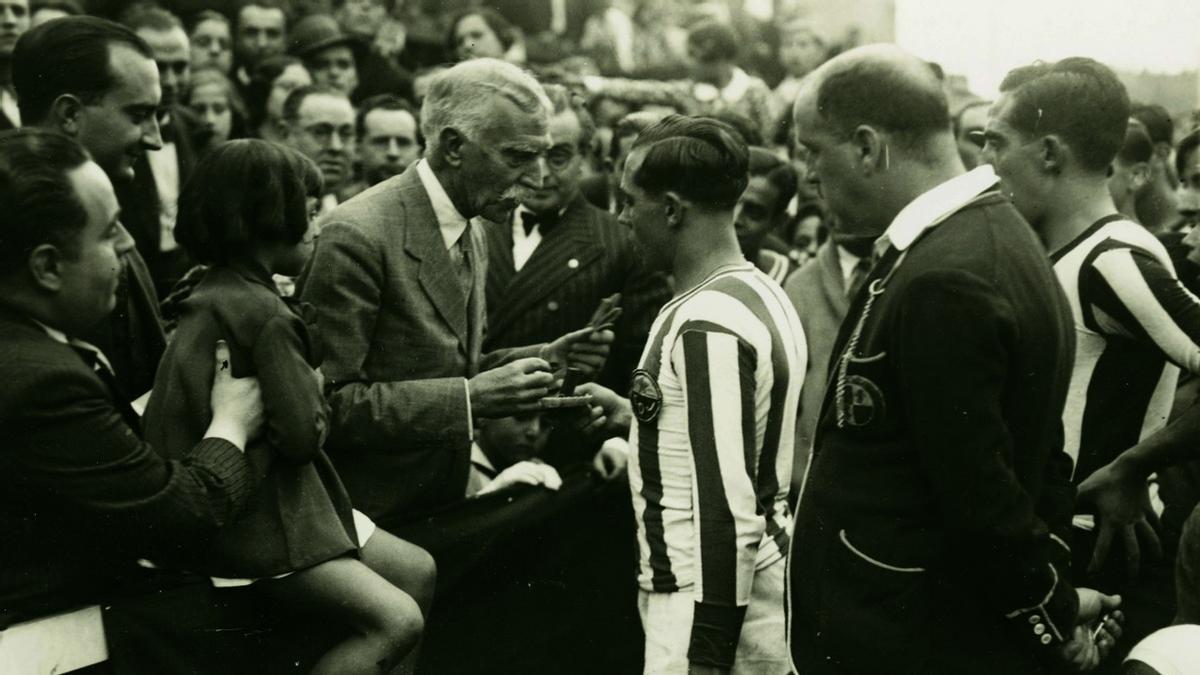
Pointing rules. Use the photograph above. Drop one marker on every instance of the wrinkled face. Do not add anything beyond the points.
(212, 45)
(646, 216)
(970, 135)
(1017, 161)
(832, 169)
(173, 56)
(800, 50)
(501, 165)
(90, 277)
(211, 105)
(474, 39)
(324, 131)
(759, 210)
(123, 123)
(361, 17)
(564, 166)
(334, 67)
(389, 144)
(14, 20)
(509, 440)
(260, 33)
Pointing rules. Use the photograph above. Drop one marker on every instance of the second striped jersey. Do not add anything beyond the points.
(715, 398)
(1136, 326)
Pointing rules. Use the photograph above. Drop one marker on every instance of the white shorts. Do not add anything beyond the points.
(762, 647)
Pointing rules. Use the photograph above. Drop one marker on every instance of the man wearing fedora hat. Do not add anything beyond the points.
(341, 61)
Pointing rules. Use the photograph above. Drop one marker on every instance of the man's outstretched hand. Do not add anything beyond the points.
(1121, 500)
(586, 349)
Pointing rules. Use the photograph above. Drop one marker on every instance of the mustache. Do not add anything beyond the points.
(517, 193)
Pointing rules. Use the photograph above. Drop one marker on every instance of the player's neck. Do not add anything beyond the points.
(705, 257)
(1074, 211)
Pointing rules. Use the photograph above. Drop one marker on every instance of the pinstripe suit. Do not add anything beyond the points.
(584, 258)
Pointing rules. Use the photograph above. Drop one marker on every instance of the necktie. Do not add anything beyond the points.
(461, 258)
(861, 269)
(94, 360)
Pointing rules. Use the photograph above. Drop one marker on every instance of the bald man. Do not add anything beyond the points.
(930, 530)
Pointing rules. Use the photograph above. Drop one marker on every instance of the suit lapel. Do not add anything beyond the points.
(566, 251)
(435, 271)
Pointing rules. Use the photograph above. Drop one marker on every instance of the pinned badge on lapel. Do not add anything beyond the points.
(573, 263)
(644, 396)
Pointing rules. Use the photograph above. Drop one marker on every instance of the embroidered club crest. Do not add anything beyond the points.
(865, 401)
(645, 397)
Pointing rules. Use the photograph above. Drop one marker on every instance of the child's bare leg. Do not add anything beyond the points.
(411, 569)
(386, 621)
(408, 566)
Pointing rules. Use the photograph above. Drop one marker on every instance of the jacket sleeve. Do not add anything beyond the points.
(344, 283)
(297, 416)
(953, 357)
(76, 450)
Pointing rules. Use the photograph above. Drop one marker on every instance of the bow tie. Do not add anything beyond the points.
(544, 221)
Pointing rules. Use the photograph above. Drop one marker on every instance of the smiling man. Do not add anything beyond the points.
(398, 284)
(97, 82)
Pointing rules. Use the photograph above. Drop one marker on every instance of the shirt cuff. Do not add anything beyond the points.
(470, 415)
(715, 633)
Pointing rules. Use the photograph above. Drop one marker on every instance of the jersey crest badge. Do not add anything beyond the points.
(645, 397)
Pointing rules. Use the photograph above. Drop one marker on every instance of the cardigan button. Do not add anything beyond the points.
(552, 306)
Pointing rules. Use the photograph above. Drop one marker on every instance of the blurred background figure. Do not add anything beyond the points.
(211, 39)
(318, 121)
(213, 99)
(389, 140)
(505, 453)
(484, 33)
(1131, 170)
(45, 10)
(969, 122)
(271, 80)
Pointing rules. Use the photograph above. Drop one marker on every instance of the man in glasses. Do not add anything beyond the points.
(560, 256)
(318, 122)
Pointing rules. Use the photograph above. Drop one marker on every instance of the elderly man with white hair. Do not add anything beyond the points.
(397, 281)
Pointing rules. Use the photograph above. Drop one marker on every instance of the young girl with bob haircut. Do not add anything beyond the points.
(247, 211)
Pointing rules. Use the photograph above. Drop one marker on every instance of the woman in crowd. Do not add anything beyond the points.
(211, 41)
(299, 541)
(482, 32)
(215, 101)
(270, 83)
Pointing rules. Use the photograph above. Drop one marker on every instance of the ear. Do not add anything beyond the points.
(1053, 154)
(65, 112)
(674, 205)
(45, 266)
(451, 146)
(871, 149)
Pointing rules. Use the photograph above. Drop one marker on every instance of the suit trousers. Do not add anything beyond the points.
(762, 647)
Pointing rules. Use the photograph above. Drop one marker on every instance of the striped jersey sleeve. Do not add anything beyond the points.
(1130, 292)
(718, 372)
